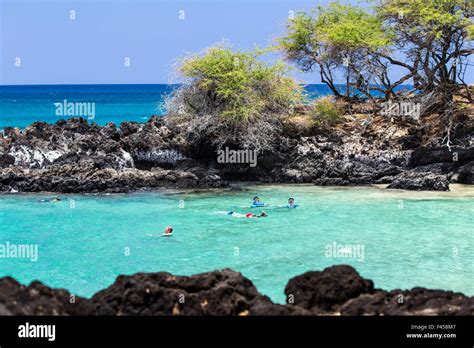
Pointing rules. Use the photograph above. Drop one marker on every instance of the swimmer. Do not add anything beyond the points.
(291, 203)
(168, 231)
(249, 215)
(256, 202)
(51, 200)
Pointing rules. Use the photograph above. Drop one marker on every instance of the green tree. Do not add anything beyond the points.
(435, 36)
(340, 38)
(232, 98)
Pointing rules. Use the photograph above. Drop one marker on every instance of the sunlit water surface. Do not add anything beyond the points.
(408, 238)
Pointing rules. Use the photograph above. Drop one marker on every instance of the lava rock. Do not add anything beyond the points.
(417, 301)
(215, 293)
(328, 289)
(6, 160)
(420, 181)
(423, 156)
(337, 290)
(38, 299)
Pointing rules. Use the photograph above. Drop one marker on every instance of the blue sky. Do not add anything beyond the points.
(93, 47)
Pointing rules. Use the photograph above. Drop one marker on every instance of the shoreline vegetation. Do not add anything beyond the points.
(337, 290)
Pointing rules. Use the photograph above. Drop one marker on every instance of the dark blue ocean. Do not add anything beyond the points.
(22, 105)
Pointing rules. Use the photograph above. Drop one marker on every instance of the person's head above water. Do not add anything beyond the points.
(263, 214)
(291, 203)
(256, 199)
(168, 230)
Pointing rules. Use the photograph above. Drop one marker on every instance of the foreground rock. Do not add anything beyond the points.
(328, 289)
(337, 290)
(215, 293)
(38, 299)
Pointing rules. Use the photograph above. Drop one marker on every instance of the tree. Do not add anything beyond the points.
(339, 38)
(230, 98)
(434, 35)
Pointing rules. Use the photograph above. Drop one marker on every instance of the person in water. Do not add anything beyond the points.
(168, 231)
(249, 215)
(51, 200)
(291, 203)
(256, 202)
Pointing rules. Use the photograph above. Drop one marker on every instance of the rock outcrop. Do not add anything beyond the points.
(214, 293)
(75, 156)
(420, 181)
(337, 290)
(340, 290)
(38, 299)
(328, 289)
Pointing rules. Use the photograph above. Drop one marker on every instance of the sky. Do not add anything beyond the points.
(131, 41)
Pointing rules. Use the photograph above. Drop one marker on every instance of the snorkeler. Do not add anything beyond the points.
(249, 215)
(256, 203)
(291, 203)
(51, 200)
(168, 231)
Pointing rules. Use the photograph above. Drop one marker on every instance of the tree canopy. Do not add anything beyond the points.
(433, 35)
(231, 98)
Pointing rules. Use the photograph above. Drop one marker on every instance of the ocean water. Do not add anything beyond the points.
(22, 105)
(404, 239)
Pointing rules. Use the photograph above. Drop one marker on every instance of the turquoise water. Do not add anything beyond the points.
(22, 105)
(409, 238)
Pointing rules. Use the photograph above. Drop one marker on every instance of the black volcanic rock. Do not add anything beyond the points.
(465, 174)
(137, 152)
(38, 299)
(417, 301)
(214, 293)
(337, 290)
(423, 156)
(6, 160)
(420, 181)
(73, 156)
(328, 289)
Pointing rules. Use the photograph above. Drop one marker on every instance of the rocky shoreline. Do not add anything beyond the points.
(337, 290)
(74, 156)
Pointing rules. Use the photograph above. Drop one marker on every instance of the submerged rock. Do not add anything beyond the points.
(337, 290)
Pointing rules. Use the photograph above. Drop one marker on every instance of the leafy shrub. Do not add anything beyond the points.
(328, 111)
(232, 99)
